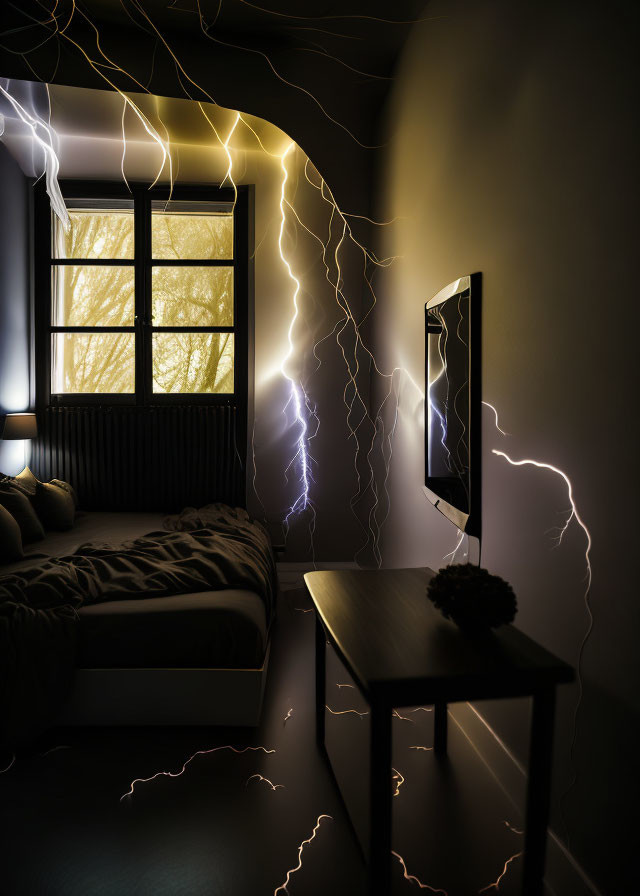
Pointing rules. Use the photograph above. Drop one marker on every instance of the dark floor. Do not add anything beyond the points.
(65, 831)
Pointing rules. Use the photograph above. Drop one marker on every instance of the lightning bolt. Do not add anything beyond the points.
(452, 553)
(495, 413)
(344, 712)
(413, 879)
(36, 124)
(288, 716)
(301, 457)
(573, 515)
(266, 781)
(396, 715)
(496, 883)
(189, 760)
(399, 780)
(283, 887)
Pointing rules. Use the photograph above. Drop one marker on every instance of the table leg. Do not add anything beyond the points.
(380, 801)
(440, 728)
(538, 791)
(321, 686)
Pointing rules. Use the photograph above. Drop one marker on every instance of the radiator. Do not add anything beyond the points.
(154, 458)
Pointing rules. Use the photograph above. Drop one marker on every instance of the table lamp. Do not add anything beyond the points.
(20, 426)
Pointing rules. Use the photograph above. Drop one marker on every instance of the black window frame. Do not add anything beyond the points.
(142, 263)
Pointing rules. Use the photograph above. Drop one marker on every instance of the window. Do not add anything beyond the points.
(144, 300)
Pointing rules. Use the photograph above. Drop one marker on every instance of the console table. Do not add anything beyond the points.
(400, 651)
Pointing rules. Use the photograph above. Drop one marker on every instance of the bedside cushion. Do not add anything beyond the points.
(65, 486)
(26, 482)
(54, 506)
(10, 538)
(20, 508)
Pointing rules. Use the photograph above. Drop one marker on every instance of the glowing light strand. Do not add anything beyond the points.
(51, 161)
(344, 712)
(188, 761)
(496, 883)
(398, 778)
(574, 514)
(302, 501)
(413, 879)
(495, 412)
(266, 781)
(283, 888)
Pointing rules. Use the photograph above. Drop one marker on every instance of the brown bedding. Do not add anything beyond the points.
(210, 549)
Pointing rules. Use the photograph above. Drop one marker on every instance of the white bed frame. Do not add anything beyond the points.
(166, 696)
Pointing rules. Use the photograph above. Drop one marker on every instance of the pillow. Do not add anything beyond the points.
(24, 482)
(54, 506)
(23, 513)
(65, 486)
(10, 538)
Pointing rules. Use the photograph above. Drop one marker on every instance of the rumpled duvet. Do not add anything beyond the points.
(207, 549)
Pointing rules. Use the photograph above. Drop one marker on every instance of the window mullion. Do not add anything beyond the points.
(141, 255)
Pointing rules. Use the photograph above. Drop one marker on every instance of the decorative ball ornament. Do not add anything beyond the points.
(472, 597)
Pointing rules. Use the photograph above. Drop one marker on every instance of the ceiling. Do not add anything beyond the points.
(320, 71)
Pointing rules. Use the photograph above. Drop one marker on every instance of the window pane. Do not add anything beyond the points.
(192, 362)
(93, 362)
(192, 297)
(189, 230)
(95, 232)
(93, 296)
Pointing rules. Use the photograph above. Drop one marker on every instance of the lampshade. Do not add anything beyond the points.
(20, 426)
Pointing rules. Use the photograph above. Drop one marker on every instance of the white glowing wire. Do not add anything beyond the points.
(51, 162)
(302, 501)
(453, 553)
(501, 431)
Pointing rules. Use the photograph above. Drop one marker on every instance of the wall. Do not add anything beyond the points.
(512, 150)
(14, 302)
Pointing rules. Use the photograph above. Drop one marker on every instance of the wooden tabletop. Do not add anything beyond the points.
(397, 645)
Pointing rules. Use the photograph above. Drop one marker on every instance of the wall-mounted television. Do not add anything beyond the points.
(452, 402)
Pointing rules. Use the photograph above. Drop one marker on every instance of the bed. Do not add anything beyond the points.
(198, 657)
